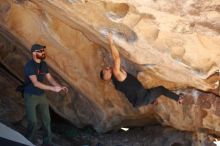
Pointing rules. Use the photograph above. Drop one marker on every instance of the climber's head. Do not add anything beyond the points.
(106, 73)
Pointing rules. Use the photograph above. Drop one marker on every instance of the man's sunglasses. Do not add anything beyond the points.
(39, 51)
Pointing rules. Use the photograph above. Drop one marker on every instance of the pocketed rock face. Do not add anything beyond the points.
(170, 43)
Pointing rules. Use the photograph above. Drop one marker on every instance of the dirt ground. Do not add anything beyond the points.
(65, 134)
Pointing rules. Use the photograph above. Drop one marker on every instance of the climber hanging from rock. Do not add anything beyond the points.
(130, 86)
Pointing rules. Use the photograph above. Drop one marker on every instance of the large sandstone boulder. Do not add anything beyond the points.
(171, 43)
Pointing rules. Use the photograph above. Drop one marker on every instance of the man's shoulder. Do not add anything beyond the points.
(29, 64)
(120, 75)
(29, 67)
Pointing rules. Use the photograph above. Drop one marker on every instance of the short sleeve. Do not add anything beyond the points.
(29, 70)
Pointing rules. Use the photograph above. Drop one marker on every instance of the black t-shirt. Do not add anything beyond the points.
(131, 87)
(38, 69)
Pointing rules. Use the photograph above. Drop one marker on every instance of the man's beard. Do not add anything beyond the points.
(41, 57)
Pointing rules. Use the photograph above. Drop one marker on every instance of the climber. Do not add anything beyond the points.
(34, 97)
(130, 86)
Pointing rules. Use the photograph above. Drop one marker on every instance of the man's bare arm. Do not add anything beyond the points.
(54, 83)
(115, 54)
(51, 80)
(43, 86)
(117, 61)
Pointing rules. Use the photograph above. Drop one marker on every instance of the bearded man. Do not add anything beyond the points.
(34, 96)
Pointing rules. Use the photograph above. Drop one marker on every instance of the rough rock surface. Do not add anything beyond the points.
(163, 42)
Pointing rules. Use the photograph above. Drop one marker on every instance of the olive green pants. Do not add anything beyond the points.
(34, 104)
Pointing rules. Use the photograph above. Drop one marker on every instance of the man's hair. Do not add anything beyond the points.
(101, 75)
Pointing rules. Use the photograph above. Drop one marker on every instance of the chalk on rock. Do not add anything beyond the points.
(130, 36)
